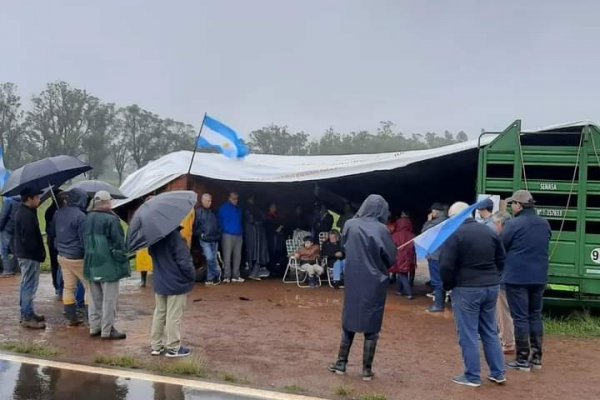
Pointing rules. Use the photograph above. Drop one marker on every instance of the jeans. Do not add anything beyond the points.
(475, 313)
(404, 285)
(338, 270)
(30, 279)
(210, 253)
(526, 303)
(232, 255)
(165, 332)
(434, 274)
(57, 281)
(8, 262)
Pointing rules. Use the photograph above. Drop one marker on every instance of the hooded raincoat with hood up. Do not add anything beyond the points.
(370, 252)
(406, 260)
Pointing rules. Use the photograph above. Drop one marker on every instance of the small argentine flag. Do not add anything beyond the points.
(221, 137)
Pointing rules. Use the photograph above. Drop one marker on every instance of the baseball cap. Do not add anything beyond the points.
(437, 207)
(486, 204)
(102, 195)
(521, 196)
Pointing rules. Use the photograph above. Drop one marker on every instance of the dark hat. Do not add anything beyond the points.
(521, 196)
(437, 207)
(486, 204)
(29, 192)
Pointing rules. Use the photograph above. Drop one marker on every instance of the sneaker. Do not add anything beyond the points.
(115, 335)
(157, 352)
(209, 283)
(8, 275)
(409, 297)
(399, 294)
(519, 366)
(536, 365)
(254, 278)
(430, 295)
(226, 280)
(39, 318)
(462, 380)
(33, 324)
(216, 282)
(435, 309)
(499, 379)
(182, 352)
(263, 273)
(238, 280)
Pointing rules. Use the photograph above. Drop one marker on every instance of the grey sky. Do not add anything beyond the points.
(426, 65)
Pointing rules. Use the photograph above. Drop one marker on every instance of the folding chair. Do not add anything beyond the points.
(293, 266)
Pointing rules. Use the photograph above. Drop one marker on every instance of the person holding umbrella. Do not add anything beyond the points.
(30, 253)
(105, 264)
(157, 225)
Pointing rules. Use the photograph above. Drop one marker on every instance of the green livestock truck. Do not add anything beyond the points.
(560, 166)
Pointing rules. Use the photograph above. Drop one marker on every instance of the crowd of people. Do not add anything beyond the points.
(495, 270)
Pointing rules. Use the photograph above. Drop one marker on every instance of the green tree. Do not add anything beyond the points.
(13, 136)
(274, 139)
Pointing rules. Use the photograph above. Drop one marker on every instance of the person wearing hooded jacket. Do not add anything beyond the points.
(68, 227)
(10, 206)
(370, 252)
(406, 258)
(436, 216)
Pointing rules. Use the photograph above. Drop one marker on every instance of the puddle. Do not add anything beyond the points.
(20, 381)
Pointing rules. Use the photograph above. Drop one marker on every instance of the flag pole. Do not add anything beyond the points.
(196, 145)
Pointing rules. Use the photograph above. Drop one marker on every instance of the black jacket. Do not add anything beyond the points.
(207, 225)
(174, 272)
(7, 216)
(472, 257)
(329, 250)
(28, 240)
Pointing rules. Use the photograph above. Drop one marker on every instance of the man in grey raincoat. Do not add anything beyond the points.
(369, 251)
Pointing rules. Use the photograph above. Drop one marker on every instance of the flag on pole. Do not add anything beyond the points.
(432, 239)
(221, 137)
(4, 173)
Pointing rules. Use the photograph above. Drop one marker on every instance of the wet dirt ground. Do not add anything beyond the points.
(277, 336)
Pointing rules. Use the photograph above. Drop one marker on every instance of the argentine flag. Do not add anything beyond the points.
(4, 173)
(221, 137)
(432, 239)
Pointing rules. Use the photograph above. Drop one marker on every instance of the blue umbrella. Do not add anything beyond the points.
(158, 217)
(41, 174)
(432, 239)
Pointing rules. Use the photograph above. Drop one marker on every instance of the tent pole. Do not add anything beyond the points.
(196, 144)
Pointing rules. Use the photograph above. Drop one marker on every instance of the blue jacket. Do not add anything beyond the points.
(526, 240)
(207, 225)
(7, 216)
(230, 219)
(174, 272)
(68, 226)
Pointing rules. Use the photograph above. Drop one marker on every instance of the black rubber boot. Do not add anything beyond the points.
(339, 367)
(368, 355)
(439, 301)
(536, 351)
(521, 362)
(71, 314)
(144, 278)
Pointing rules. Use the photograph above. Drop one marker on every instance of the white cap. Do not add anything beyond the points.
(102, 195)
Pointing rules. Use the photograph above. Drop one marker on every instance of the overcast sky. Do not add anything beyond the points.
(426, 65)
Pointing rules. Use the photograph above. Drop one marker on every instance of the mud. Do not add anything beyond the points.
(274, 336)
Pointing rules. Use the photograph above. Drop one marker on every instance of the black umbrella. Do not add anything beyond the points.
(41, 174)
(94, 186)
(158, 217)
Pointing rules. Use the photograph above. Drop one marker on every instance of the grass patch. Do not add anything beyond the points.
(576, 324)
(294, 389)
(344, 391)
(192, 366)
(122, 362)
(30, 348)
(230, 378)
(373, 396)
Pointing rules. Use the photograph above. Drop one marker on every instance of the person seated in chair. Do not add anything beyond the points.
(308, 258)
(332, 249)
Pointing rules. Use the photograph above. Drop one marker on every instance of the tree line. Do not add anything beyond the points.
(62, 119)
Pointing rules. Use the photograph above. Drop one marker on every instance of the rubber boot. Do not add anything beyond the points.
(144, 279)
(536, 351)
(439, 301)
(521, 362)
(368, 355)
(339, 367)
(71, 313)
